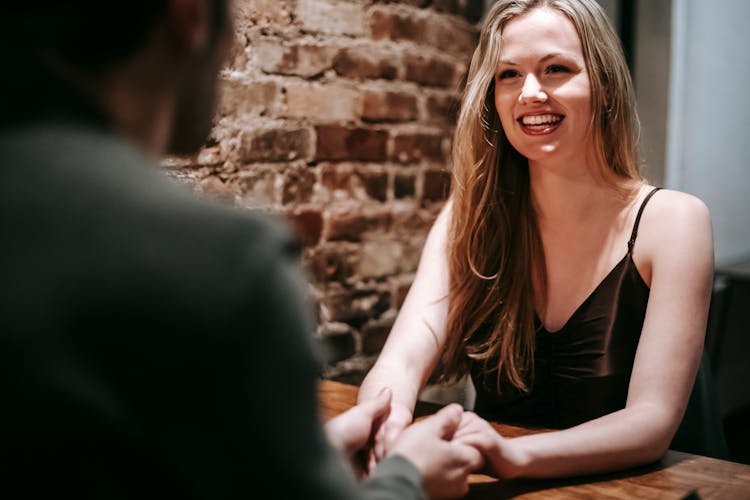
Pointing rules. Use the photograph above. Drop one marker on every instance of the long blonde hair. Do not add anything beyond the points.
(495, 255)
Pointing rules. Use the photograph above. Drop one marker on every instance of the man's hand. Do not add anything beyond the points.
(503, 459)
(445, 465)
(353, 431)
(398, 419)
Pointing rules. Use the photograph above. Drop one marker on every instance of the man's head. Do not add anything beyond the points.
(130, 59)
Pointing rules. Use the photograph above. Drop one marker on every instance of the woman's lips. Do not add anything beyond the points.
(540, 124)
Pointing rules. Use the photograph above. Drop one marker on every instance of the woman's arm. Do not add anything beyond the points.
(675, 249)
(417, 336)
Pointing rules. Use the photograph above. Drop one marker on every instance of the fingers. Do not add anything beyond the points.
(382, 404)
(378, 407)
(470, 423)
(470, 457)
(372, 461)
(379, 448)
(449, 477)
(387, 434)
(445, 422)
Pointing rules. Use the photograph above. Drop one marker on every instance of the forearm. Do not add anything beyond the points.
(617, 441)
(403, 383)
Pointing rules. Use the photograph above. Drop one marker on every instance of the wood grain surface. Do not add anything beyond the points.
(676, 476)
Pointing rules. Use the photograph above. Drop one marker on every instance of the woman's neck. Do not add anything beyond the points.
(569, 194)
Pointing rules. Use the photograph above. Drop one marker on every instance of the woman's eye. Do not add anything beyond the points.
(508, 73)
(557, 68)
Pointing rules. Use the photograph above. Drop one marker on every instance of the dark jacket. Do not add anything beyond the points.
(152, 345)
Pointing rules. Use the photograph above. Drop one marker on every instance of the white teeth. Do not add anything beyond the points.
(540, 119)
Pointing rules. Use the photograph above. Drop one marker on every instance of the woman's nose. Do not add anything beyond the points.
(532, 90)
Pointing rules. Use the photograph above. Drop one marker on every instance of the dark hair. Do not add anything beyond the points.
(37, 37)
(89, 34)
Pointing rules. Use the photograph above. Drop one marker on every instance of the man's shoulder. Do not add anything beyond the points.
(104, 205)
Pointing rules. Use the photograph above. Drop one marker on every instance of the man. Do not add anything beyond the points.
(151, 345)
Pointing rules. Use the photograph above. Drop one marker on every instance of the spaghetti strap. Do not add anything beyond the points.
(633, 235)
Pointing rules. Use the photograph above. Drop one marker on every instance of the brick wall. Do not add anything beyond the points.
(338, 114)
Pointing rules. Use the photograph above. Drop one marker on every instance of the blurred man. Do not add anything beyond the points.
(152, 345)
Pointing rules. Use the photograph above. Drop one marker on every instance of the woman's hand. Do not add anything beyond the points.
(444, 464)
(502, 459)
(391, 428)
(353, 432)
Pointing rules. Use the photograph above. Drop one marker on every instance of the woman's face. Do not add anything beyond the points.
(542, 89)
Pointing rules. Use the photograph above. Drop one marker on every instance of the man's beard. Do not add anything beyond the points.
(195, 104)
(194, 108)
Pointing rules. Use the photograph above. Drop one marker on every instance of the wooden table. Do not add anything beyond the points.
(676, 476)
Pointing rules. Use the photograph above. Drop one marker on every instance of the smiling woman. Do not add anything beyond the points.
(572, 292)
(542, 89)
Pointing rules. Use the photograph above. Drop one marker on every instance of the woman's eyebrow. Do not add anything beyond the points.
(510, 62)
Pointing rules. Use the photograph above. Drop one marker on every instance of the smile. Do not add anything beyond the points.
(540, 124)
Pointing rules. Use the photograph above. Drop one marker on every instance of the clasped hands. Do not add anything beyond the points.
(446, 447)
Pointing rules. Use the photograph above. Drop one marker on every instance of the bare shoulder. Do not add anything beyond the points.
(673, 212)
(676, 229)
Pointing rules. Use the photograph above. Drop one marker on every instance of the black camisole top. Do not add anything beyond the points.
(581, 371)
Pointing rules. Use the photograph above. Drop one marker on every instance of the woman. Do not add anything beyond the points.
(574, 294)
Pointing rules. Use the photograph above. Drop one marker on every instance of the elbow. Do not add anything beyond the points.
(658, 441)
(658, 427)
(655, 451)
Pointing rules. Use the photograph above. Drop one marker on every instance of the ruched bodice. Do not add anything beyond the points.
(581, 371)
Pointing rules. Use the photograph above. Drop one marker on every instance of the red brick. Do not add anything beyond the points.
(336, 177)
(308, 226)
(380, 256)
(443, 32)
(321, 102)
(414, 222)
(365, 62)
(387, 23)
(215, 188)
(332, 262)
(299, 184)
(413, 3)
(240, 97)
(433, 71)
(351, 226)
(258, 188)
(342, 181)
(404, 186)
(442, 110)
(436, 185)
(449, 34)
(375, 183)
(380, 105)
(409, 148)
(338, 343)
(354, 305)
(263, 12)
(401, 286)
(211, 155)
(238, 57)
(276, 144)
(333, 17)
(451, 6)
(335, 142)
(298, 59)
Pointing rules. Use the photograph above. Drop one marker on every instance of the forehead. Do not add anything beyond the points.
(540, 32)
